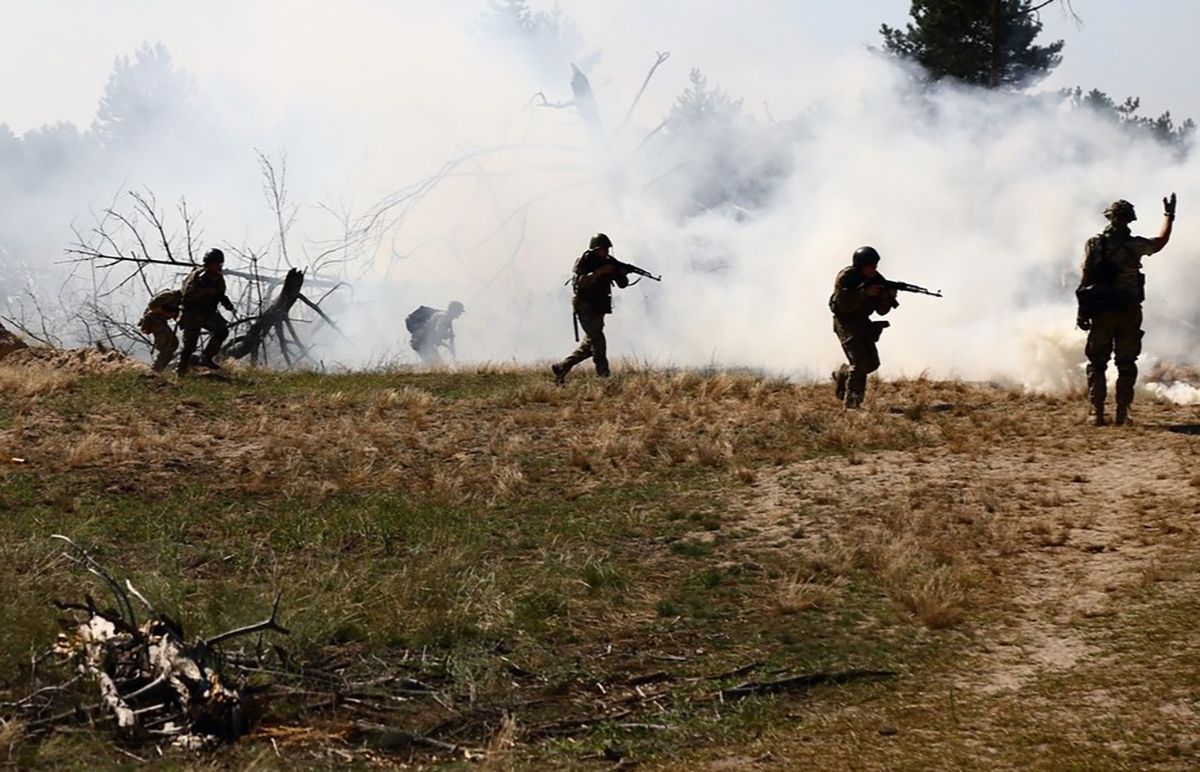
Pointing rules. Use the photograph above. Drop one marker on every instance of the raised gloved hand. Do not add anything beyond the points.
(1083, 323)
(1169, 206)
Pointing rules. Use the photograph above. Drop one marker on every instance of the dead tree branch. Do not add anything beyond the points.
(660, 58)
(267, 624)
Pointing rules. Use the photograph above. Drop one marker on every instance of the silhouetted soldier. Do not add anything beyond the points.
(858, 292)
(1110, 295)
(203, 291)
(592, 280)
(162, 309)
(432, 328)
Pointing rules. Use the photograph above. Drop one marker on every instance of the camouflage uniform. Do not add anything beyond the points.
(1113, 260)
(852, 308)
(591, 303)
(202, 292)
(436, 331)
(156, 322)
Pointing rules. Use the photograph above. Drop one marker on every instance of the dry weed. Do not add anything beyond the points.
(507, 478)
(829, 558)
(936, 598)
(415, 401)
(33, 381)
(804, 594)
(503, 740)
(88, 450)
(537, 393)
(11, 732)
(714, 451)
(744, 475)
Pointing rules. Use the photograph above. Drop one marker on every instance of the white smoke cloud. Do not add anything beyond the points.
(988, 197)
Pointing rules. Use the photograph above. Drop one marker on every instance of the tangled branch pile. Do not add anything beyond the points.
(151, 681)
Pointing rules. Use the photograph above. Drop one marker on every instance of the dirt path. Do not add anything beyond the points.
(1077, 551)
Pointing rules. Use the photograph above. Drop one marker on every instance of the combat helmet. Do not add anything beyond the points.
(1120, 210)
(455, 308)
(865, 256)
(600, 240)
(214, 255)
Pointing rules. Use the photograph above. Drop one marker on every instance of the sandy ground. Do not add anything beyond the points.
(1070, 535)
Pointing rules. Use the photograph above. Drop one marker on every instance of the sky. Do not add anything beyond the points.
(56, 54)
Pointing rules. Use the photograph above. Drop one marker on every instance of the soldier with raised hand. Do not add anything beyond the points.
(1111, 292)
(859, 292)
(203, 291)
(162, 309)
(592, 279)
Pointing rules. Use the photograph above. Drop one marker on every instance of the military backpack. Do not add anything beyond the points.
(417, 320)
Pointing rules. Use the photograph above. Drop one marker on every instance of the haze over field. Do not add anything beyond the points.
(811, 145)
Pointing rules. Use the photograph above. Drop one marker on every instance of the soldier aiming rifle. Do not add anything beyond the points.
(858, 292)
(595, 273)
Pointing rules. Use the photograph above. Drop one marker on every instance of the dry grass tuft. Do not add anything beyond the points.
(408, 398)
(936, 598)
(744, 475)
(88, 450)
(34, 381)
(503, 740)
(714, 451)
(804, 594)
(11, 732)
(829, 558)
(538, 393)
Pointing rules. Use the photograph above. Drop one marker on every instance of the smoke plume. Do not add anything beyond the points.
(476, 171)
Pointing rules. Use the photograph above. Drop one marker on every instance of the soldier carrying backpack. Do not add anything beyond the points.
(1110, 295)
(156, 322)
(432, 328)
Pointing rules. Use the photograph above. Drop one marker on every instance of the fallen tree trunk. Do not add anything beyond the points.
(274, 319)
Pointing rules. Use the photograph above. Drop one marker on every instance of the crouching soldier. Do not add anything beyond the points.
(162, 309)
(859, 292)
(203, 291)
(432, 328)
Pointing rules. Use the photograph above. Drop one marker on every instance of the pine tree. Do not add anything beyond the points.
(140, 93)
(982, 42)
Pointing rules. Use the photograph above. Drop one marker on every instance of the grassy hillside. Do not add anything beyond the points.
(564, 575)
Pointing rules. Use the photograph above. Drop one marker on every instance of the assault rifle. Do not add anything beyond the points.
(903, 286)
(630, 268)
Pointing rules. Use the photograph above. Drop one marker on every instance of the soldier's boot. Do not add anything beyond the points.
(1097, 388)
(209, 363)
(854, 400)
(839, 377)
(182, 367)
(1126, 380)
(560, 373)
